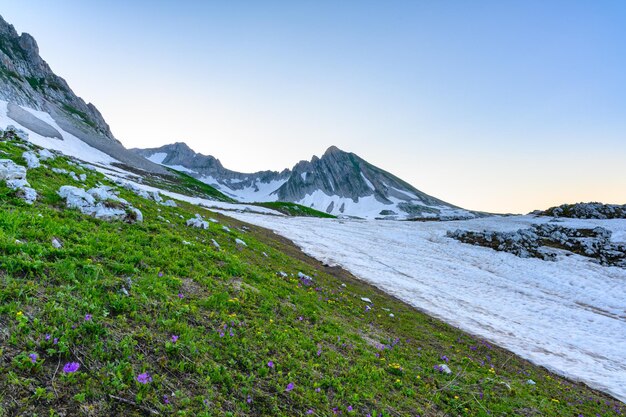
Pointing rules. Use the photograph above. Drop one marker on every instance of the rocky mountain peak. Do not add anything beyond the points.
(333, 150)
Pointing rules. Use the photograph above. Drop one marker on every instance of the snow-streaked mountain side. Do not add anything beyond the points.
(340, 183)
(28, 83)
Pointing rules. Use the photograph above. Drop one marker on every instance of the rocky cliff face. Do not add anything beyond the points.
(27, 80)
(339, 183)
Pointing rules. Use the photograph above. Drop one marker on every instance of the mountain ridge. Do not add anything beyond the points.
(338, 183)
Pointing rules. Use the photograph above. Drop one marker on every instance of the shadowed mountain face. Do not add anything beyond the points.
(339, 183)
(26, 80)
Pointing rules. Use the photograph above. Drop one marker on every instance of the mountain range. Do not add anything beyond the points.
(341, 183)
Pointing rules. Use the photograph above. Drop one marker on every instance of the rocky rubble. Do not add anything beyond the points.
(101, 202)
(148, 195)
(15, 177)
(198, 222)
(585, 211)
(544, 241)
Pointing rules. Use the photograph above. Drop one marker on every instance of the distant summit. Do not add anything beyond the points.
(339, 183)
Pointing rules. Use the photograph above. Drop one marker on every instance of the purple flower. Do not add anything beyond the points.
(309, 411)
(319, 352)
(249, 399)
(166, 400)
(47, 337)
(221, 334)
(55, 341)
(318, 390)
(289, 387)
(180, 295)
(33, 357)
(349, 408)
(160, 275)
(144, 378)
(368, 308)
(300, 318)
(87, 317)
(71, 367)
(270, 364)
(445, 358)
(174, 338)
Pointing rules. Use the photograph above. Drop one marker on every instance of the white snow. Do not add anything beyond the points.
(182, 169)
(368, 182)
(408, 195)
(303, 176)
(259, 191)
(210, 204)
(70, 145)
(569, 315)
(157, 157)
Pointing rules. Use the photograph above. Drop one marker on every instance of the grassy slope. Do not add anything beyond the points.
(235, 315)
(293, 209)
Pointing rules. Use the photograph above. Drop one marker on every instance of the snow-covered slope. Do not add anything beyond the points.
(568, 315)
(339, 183)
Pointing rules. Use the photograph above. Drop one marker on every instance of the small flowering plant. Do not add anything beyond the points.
(144, 378)
(27, 361)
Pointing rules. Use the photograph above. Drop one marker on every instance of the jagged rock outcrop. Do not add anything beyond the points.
(585, 211)
(540, 241)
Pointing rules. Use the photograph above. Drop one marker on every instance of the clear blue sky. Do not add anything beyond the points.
(493, 105)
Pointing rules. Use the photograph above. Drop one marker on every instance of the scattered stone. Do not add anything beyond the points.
(10, 171)
(100, 202)
(226, 229)
(60, 171)
(56, 243)
(186, 243)
(391, 315)
(15, 177)
(302, 275)
(170, 203)
(265, 255)
(445, 369)
(531, 382)
(282, 274)
(212, 220)
(240, 242)
(217, 245)
(367, 300)
(45, 154)
(31, 159)
(197, 222)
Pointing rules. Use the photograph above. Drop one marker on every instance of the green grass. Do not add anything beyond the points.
(187, 182)
(293, 209)
(82, 115)
(141, 284)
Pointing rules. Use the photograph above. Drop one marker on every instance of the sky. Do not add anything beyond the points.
(497, 106)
